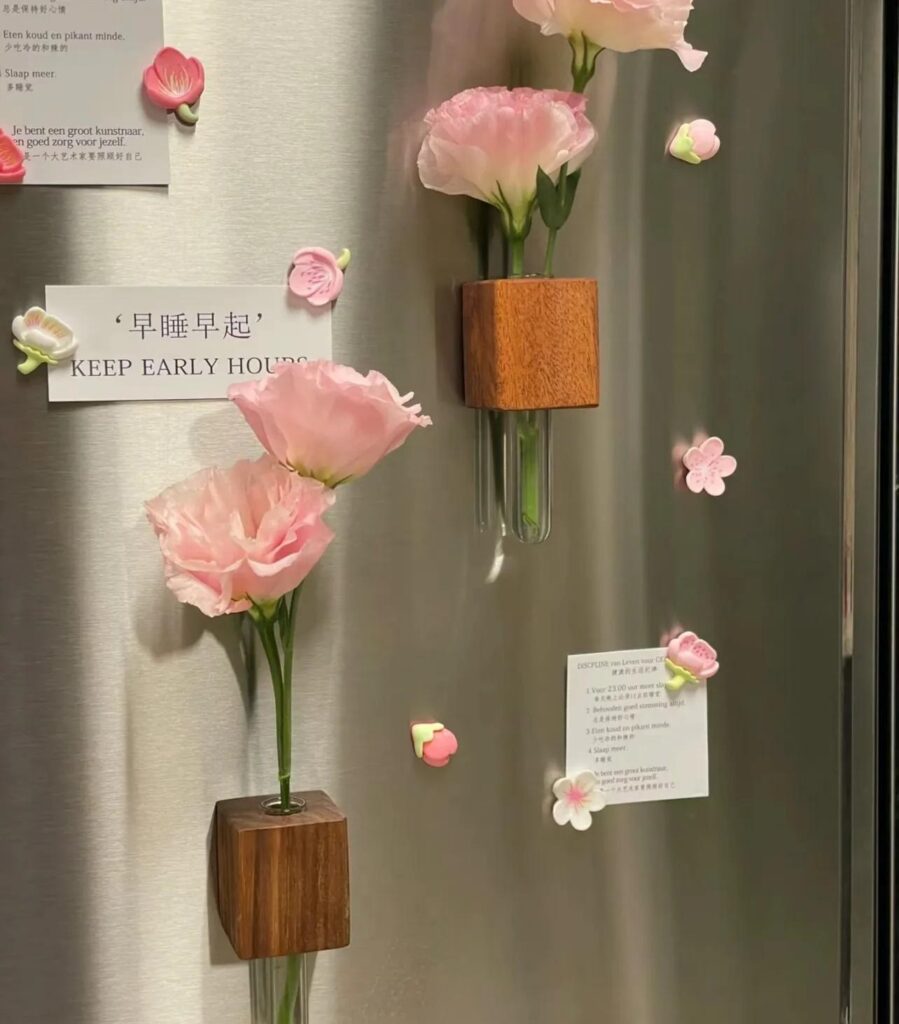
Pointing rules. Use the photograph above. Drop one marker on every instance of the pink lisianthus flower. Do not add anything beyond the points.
(489, 143)
(622, 25)
(690, 660)
(327, 421)
(241, 537)
(175, 82)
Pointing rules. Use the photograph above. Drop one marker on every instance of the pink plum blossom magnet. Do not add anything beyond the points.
(690, 660)
(175, 83)
(317, 275)
(695, 142)
(707, 467)
(43, 338)
(577, 799)
(12, 161)
(434, 743)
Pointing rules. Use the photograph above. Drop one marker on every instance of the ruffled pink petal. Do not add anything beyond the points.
(692, 59)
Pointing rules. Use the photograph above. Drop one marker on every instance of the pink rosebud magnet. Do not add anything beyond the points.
(707, 467)
(317, 275)
(12, 161)
(175, 83)
(695, 142)
(690, 660)
(434, 743)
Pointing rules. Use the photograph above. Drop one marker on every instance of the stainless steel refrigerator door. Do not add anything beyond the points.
(122, 714)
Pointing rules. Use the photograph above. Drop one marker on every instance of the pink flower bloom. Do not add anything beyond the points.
(175, 82)
(327, 421)
(576, 800)
(317, 275)
(622, 25)
(12, 161)
(238, 536)
(489, 143)
(434, 743)
(690, 660)
(708, 467)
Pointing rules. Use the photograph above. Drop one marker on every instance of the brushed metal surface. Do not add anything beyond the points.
(121, 717)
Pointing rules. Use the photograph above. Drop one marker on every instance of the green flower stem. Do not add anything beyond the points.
(516, 255)
(530, 476)
(30, 364)
(281, 615)
(186, 116)
(554, 232)
(291, 982)
(583, 61)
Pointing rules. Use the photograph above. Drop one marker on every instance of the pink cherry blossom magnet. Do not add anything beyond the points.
(12, 161)
(434, 743)
(707, 467)
(175, 83)
(695, 142)
(316, 275)
(690, 660)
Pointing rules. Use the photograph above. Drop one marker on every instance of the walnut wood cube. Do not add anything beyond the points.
(282, 883)
(531, 343)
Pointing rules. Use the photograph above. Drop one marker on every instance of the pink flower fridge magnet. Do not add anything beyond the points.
(577, 799)
(317, 275)
(434, 743)
(12, 161)
(707, 467)
(175, 83)
(690, 660)
(695, 142)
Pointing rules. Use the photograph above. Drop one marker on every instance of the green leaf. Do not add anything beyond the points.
(570, 192)
(549, 200)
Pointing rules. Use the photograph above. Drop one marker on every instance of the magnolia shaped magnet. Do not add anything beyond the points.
(175, 83)
(708, 467)
(577, 799)
(690, 660)
(12, 161)
(434, 743)
(695, 142)
(317, 275)
(43, 338)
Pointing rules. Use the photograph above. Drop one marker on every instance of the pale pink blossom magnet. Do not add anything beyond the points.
(434, 743)
(695, 142)
(577, 799)
(175, 83)
(708, 467)
(690, 660)
(12, 161)
(317, 275)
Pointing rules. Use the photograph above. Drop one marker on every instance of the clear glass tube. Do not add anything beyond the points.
(278, 990)
(485, 489)
(527, 473)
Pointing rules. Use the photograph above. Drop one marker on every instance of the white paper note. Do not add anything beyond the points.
(163, 343)
(642, 741)
(71, 76)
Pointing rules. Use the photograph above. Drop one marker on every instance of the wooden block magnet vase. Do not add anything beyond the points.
(531, 343)
(282, 882)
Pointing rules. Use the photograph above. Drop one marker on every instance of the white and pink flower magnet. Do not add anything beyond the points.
(43, 339)
(708, 467)
(175, 83)
(434, 743)
(690, 660)
(577, 800)
(695, 142)
(317, 275)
